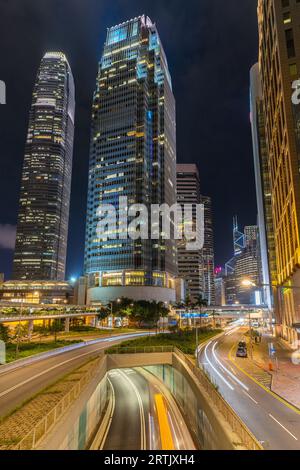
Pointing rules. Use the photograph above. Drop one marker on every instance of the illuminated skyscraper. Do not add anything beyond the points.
(42, 230)
(263, 186)
(190, 263)
(208, 255)
(279, 67)
(132, 154)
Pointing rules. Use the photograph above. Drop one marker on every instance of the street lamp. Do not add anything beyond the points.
(111, 310)
(23, 294)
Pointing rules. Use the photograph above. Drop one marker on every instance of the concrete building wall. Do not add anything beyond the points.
(106, 294)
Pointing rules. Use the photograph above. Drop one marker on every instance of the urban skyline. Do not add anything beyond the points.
(167, 338)
(210, 179)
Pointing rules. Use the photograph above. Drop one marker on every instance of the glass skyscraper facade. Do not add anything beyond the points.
(279, 66)
(42, 230)
(190, 263)
(263, 186)
(208, 254)
(132, 154)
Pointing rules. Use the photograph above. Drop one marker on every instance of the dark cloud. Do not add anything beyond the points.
(210, 46)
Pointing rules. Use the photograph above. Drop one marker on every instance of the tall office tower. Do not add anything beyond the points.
(190, 263)
(279, 66)
(220, 299)
(42, 230)
(133, 154)
(238, 246)
(251, 234)
(263, 186)
(248, 266)
(208, 255)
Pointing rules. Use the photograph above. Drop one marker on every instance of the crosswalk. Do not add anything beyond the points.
(255, 371)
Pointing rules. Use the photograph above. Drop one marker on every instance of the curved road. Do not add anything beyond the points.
(19, 384)
(144, 415)
(274, 422)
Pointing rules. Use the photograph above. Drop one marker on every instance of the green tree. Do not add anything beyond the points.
(123, 307)
(4, 333)
(56, 327)
(200, 302)
(103, 313)
(188, 302)
(141, 311)
(213, 315)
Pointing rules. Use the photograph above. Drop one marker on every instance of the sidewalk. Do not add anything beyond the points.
(285, 374)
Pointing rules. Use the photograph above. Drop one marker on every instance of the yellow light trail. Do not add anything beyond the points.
(164, 427)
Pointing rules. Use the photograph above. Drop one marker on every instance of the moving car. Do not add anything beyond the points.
(242, 352)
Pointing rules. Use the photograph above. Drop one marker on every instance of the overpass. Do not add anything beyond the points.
(31, 318)
(46, 316)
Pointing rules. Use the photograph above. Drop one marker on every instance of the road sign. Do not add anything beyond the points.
(272, 350)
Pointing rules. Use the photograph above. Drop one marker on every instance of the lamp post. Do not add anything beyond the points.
(111, 310)
(19, 324)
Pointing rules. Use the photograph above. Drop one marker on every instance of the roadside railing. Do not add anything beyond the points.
(236, 424)
(33, 438)
(140, 350)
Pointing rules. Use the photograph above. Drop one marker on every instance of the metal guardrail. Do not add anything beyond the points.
(234, 421)
(140, 350)
(32, 439)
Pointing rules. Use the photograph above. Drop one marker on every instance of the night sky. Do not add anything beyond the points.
(210, 46)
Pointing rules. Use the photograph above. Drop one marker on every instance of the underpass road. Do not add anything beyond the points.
(145, 416)
(130, 425)
(18, 385)
(275, 423)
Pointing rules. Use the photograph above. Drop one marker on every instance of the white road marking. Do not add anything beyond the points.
(283, 427)
(226, 370)
(6, 392)
(251, 398)
(20, 384)
(142, 412)
(231, 332)
(214, 369)
(174, 432)
(110, 417)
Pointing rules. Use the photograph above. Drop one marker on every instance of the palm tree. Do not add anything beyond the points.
(201, 302)
(213, 314)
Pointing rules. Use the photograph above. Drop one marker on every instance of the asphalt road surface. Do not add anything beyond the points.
(16, 386)
(144, 417)
(274, 422)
